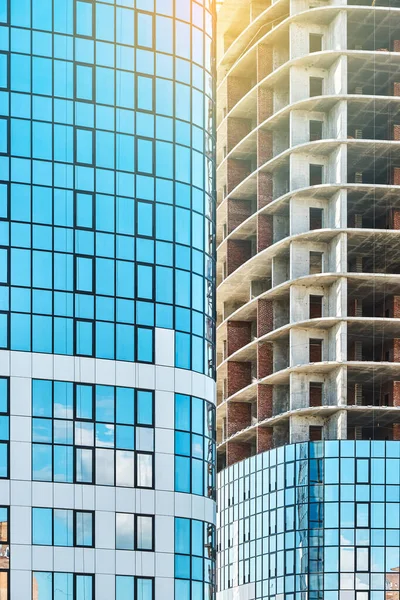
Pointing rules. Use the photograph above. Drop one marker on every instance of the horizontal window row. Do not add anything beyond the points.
(71, 337)
(90, 51)
(103, 403)
(106, 181)
(59, 527)
(108, 215)
(75, 586)
(89, 308)
(100, 466)
(111, 87)
(188, 170)
(118, 24)
(121, 342)
(102, 149)
(69, 419)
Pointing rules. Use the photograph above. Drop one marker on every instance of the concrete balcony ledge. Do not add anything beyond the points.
(245, 43)
(246, 106)
(248, 310)
(247, 146)
(247, 188)
(379, 325)
(368, 370)
(388, 413)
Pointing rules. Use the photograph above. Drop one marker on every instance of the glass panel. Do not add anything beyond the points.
(84, 528)
(124, 531)
(144, 470)
(144, 533)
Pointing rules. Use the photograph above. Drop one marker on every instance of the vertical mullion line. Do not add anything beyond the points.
(115, 276)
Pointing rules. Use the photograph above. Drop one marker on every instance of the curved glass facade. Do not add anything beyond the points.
(106, 178)
(107, 318)
(316, 520)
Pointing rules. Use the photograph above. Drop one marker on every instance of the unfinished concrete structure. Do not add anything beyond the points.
(308, 184)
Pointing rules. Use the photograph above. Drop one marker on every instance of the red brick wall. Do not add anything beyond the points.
(396, 307)
(264, 61)
(264, 360)
(236, 451)
(396, 172)
(396, 393)
(237, 129)
(396, 89)
(396, 432)
(264, 189)
(264, 402)
(238, 335)
(238, 252)
(238, 417)
(264, 439)
(265, 104)
(237, 171)
(264, 232)
(387, 390)
(315, 353)
(316, 310)
(352, 306)
(351, 396)
(396, 45)
(236, 88)
(264, 146)
(396, 350)
(237, 212)
(239, 376)
(395, 218)
(265, 317)
(315, 396)
(396, 132)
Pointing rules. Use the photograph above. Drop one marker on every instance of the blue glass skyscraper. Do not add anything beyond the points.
(107, 409)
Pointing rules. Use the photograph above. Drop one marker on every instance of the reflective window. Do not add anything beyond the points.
(324, 515)
(4, 427)
(194, 446)
(4, 552)
(61, 527)
(107, 182)
(92, 434)
(140, 588)
(194, 559)
(134, 532)
(51, 586)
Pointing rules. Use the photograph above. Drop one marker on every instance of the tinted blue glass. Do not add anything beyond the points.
(75, 81)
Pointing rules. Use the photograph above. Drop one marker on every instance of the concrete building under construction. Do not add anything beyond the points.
(308, 338)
